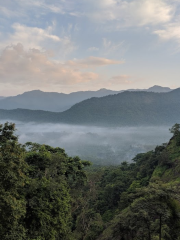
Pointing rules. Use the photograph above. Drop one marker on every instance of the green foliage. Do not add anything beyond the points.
(123, 109)
(35, 185)
(153, 213)
(176, 133)
(175, 129)
(52, 173)
(47, 195)
(12, 181)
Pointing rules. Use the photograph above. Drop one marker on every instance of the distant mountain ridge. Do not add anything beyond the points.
(58, 102)
(155, 88)
(2, 97)
(123, 109)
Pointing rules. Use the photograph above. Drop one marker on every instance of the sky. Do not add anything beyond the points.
(79, 45)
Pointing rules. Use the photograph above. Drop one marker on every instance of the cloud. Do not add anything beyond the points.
(33, 37)
(121, 79)
(35, 68)
(169, 32)
(38, 8)
(92, 62)
(7, 12)
(110, 47)
(131, 13)
(44, 5)
(119, 13)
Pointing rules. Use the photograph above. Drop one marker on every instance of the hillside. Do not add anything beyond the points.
(127, 108)
(58, 102)
(72, 200)
(140, 200)
(1, 98)
(123, 109)
(50, 101)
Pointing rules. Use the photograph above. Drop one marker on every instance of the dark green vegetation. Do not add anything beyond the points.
(58, 102)
(46, 195)
(123, 109)
(35, 184)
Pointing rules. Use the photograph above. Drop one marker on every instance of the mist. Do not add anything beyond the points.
(102, 146)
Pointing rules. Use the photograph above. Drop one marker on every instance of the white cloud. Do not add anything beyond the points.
(7, 12)
(33, 37)
(131, 13)
(92, 62)
(145, 12)
(55, 8)
(35, 68)
(110, 47)
(30, 10)
(169, 32)
(124, 12)
(29, 33)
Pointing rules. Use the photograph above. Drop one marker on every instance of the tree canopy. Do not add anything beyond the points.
(47, 195)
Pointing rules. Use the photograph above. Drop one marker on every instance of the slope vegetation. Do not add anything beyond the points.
(138, 200)
(58, 102)
(123, 109)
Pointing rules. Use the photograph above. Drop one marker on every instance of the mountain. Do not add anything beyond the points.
(58, 102)
(1, 98)
(50, 101)
(123, 109)
(155, 88)
(158, 89)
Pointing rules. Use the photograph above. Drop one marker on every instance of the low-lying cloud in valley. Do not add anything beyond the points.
(99, 145)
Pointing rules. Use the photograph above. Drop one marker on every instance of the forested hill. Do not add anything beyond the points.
(58, 102)
(123, 109)
(149, 208)
(47, 195)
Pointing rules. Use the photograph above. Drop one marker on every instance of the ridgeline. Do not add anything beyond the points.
(123, 109)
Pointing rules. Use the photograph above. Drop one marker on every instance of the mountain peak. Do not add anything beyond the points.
(102, 90)
(157, 88)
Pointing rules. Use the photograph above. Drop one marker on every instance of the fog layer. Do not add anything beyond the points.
(99, 145)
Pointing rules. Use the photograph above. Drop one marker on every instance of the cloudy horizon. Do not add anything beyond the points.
(68, 46)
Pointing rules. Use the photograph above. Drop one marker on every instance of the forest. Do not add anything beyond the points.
(119, 110)
(47, 195)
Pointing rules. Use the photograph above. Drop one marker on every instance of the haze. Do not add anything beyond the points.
(100, 145)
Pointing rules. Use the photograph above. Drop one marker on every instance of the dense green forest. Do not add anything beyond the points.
(47, 195)
(123, 109)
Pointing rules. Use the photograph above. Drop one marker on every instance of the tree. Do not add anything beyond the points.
(175, 129)
(52, 173)
(153, 214)
(35, 189)
(12, 181)
(176, 133)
